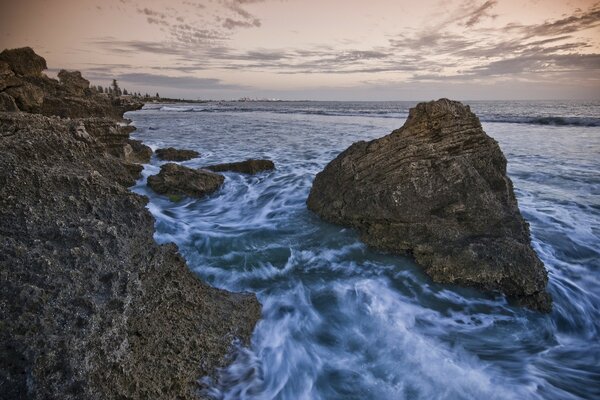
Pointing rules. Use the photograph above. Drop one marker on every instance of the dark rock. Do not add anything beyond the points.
(437, 189)
(24, 61)
(7, 103)
(140, 153)
(73, 82)
(28, 97)
(91, 307)
(173, 154)
(177, 180)
(246, 167)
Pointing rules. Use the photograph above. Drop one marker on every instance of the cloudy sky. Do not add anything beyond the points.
(319, 49)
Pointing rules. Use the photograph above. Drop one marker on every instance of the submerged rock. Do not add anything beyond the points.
(246, 167)
(173, 154)
(437, 189)
(176, 180)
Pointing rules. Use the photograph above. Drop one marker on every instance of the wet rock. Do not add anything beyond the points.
(140, 153)
(28, 97)
(91, 307)
(437, 189)
(23, 61)
(173, 154)
(176, 180)
(249, 166)
(73, 82)
(7, 103)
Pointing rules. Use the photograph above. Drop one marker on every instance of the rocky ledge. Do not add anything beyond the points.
(91, 307)
(437, 189)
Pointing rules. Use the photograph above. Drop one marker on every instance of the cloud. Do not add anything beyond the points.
(232, 24)
(175, 82)
(480, 13)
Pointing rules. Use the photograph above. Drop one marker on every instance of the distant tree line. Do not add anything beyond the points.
(115, 90)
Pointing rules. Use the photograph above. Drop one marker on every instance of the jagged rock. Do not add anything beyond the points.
(177, 180)
(70, 98)
(437, 189)
(173, 154)
(246, 167)
(91, 307)
(7, 103)
(73, 82)
(29, 98)
(140, 153)
(23, 61)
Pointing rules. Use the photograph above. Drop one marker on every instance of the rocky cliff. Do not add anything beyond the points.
(437, 189)
(91, 307)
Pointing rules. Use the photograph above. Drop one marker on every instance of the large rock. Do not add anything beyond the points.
(91, 307)
(177, 180)
(173, 154)
(437, 189)
(73, 82)
(23, 61)
(249, 166)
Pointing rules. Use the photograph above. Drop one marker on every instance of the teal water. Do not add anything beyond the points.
(341, 321)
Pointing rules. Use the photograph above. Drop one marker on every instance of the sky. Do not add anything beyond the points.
(319, 49)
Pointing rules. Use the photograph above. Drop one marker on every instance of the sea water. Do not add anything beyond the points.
(343, 321)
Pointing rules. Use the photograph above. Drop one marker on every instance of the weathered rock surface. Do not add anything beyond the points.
(73, 82)
(437, 189)
(7, 103)
(177, 180)
(246, 167)
(140, 153)
(173, 154)
(24, 61)
(91, 307)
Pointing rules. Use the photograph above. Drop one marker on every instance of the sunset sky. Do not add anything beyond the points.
(319, 49)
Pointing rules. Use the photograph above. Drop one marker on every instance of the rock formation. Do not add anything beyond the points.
(246, 167)
(437, 189)
(176, 180)
(22, 79)
(173, 154)
(91, 307)
(73, 82)
(24, 61)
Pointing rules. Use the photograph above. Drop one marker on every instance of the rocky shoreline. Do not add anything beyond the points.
(91, 306)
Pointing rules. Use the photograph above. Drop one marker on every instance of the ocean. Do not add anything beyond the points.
(343, 321)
